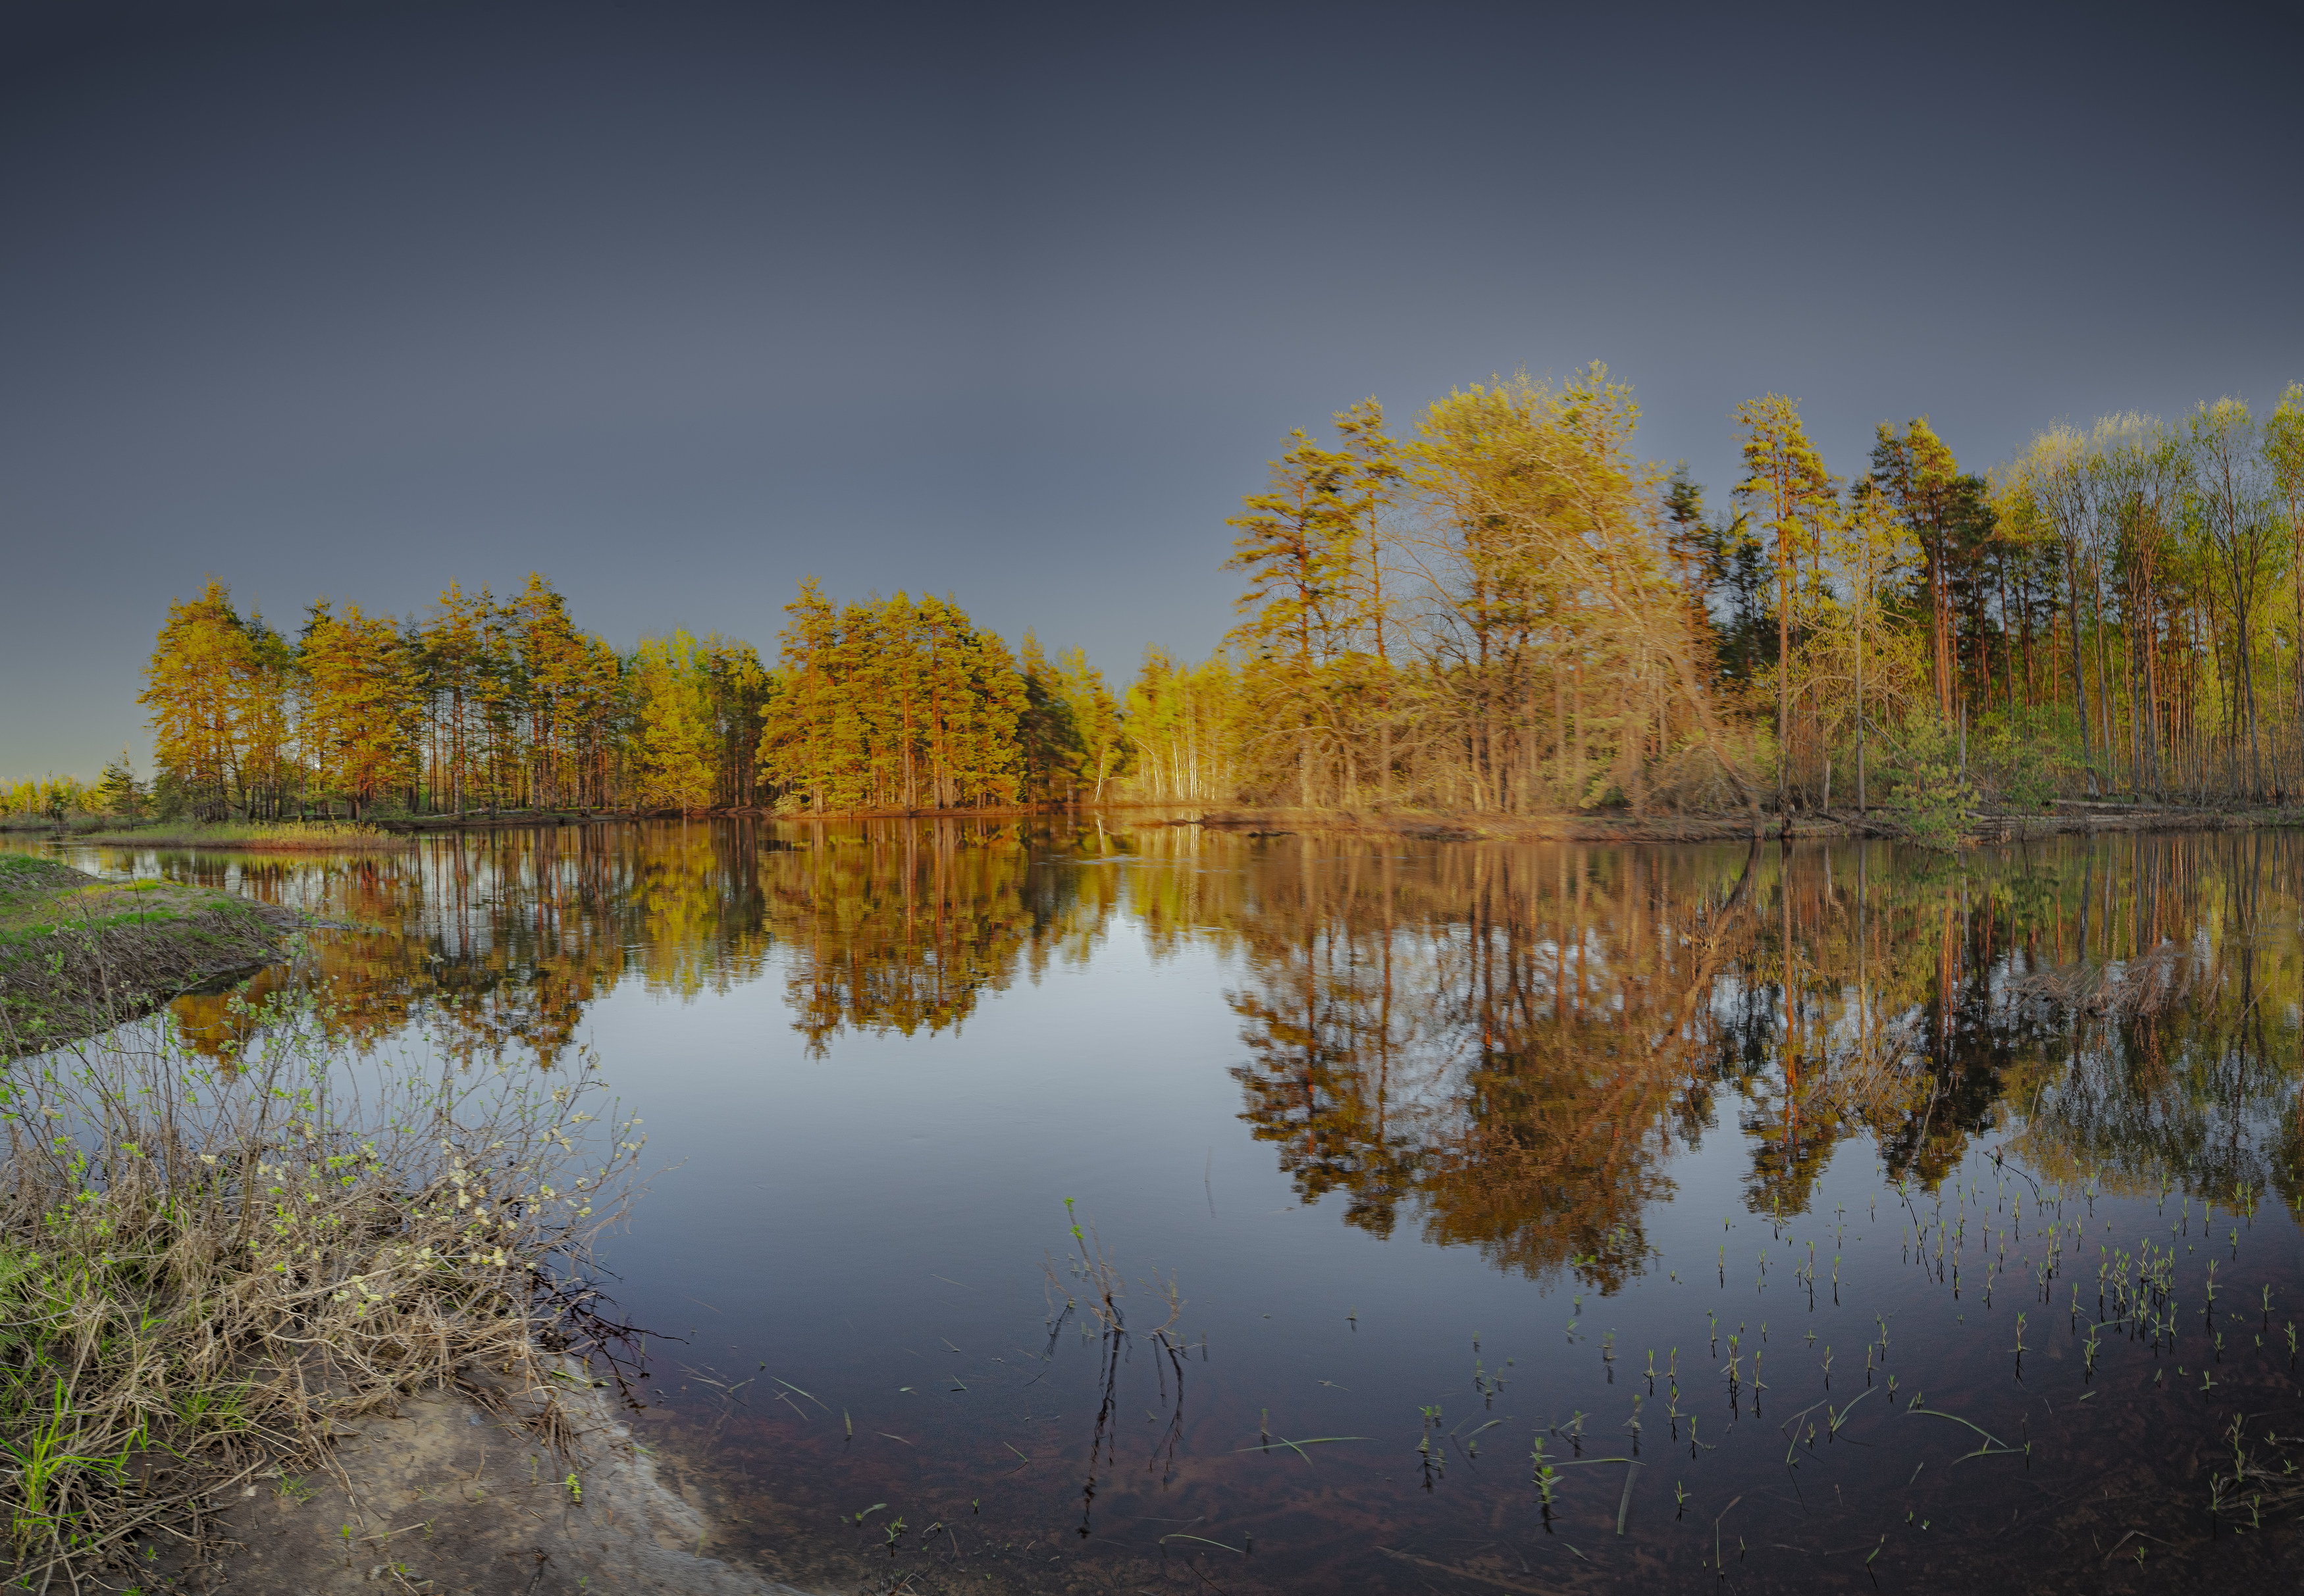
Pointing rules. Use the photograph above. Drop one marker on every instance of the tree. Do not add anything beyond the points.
(896, 705)
(119, 790)
(2048, 487)
(361, 705)
(678, 732)
(1784, 478)
(1867, 547)
(552, 661)
(1377, 481)
(1544, 568)
(1921, 482)
(196, 686)
(455, 658)
(1297, 543)
(1095, 721)
(2234, 500)
(2283, 459)
(1181, 724)
(1048, 730)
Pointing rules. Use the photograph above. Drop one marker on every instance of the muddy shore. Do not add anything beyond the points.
(78, 955)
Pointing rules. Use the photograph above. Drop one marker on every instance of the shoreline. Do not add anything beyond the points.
(443, 1432)
(2067, 817)
(2064, 817)
(465, 1486)
(78, 955)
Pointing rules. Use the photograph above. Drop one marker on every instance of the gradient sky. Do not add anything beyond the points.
(680, 302)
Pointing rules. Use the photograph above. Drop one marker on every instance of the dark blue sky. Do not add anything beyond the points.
(679, 302)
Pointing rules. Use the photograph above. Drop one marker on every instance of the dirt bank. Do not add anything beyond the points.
(486, 1490)
(78, 955)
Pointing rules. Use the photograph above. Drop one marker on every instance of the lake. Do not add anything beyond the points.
(1475, 1216)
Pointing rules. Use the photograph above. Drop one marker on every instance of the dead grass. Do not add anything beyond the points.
(208, 1270)
(2151, 983)
(255, 836)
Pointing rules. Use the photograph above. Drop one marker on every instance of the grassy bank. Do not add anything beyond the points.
(78, 955)
(248, 835)
(208, 1272)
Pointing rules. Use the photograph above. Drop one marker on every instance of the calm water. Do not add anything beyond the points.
(1456, 1154)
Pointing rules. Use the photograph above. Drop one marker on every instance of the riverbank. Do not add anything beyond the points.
(2066, 815)
(255, 836)
(302, 1319)
(78, 955)
(486, 1487)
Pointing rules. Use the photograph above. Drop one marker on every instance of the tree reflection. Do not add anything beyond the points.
(495, 944)
(1511, 1043)
(1503, 1046)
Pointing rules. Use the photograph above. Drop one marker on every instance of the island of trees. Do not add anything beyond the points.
(1502, 610)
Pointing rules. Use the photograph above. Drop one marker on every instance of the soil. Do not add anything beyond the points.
(460, 1495)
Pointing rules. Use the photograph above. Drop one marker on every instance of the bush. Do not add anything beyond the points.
(1931, 798)
(2021, 755)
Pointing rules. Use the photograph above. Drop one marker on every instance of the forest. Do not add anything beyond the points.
(482, 705)
(1502, 610)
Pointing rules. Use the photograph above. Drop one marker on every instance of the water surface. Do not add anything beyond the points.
(1465, 1161)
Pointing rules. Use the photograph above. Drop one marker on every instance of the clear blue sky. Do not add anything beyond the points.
(680, 302)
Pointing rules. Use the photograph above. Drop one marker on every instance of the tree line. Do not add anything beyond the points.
(1504, 609)
(1508, 610)
(482, 704)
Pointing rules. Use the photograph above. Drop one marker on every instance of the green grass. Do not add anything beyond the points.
(78, 955)
(257, 834)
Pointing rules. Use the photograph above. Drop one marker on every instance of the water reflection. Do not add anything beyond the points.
(1512, 1044)
(1509, 1045)
(1511, 1075)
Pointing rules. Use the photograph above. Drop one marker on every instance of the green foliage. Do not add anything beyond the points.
(49, 799)
(1931, 797)
(119, 791)
(679, 738)
(1069, 732)
(2019, 755)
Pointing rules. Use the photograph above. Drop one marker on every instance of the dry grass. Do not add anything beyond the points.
(208, 1270)
(2151, 983)
(256, 836)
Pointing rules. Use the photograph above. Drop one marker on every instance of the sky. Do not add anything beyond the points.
(680, 302)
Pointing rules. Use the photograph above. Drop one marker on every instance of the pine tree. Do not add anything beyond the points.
(1785, 480)
(1095, 722)
(196, 686)
(1048, 731)
(1297, 543)
(1921, 481)
(119, 791)
(679, 733)
(362, 708)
